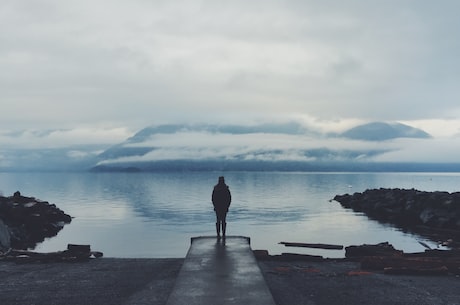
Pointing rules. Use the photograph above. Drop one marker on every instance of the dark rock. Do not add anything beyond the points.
(29, 220)
(408, 208)
(261, 254)
(5, 241)
(382, 249)
(74, 253)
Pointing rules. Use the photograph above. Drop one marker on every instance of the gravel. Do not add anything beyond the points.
(150, 281)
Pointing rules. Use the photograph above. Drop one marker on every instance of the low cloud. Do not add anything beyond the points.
(81, 154)
(311, 140)
(422, 150)
(60, 138)
(282, 147)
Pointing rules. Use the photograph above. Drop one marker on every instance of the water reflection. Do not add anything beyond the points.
(155, 214)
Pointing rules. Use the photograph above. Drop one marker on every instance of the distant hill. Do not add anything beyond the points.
(142, 152)
(127, 149)
(380, 131)
(292, 128)
(259, 147)
(137, 145)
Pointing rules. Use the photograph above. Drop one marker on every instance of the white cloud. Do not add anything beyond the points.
(445, 128)
(134, 63)
(72, 70)
(256, 146)
(79, 154)
(189, 144)
(422, 150)
(29, 138)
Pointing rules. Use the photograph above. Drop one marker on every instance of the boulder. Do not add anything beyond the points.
(382, 249)
(29, 220)
(409, 209)
(5, 241)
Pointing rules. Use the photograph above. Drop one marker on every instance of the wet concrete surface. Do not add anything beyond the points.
(220, 271)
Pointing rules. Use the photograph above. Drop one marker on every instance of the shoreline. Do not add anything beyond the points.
(150, 281)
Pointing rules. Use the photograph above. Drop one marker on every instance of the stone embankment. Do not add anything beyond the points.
(26, 221)
(408, 208)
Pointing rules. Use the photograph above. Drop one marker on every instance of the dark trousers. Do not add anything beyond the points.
(221, 223)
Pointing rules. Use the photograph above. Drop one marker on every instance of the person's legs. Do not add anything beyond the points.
(224, 223)
(218, 229)
(217, 225)
(224, 227)
(220, 223)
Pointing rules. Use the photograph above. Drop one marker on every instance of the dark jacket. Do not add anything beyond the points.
(221, 197)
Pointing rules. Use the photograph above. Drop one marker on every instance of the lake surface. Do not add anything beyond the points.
(156, 214)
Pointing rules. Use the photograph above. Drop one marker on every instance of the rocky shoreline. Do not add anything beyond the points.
(435, 215)
(27, 221)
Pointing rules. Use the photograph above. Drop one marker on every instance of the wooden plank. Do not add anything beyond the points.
(315, 246)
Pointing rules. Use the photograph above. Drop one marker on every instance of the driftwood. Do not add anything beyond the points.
(73, 253)
(315, 246)
(300, 257)
(286, 257)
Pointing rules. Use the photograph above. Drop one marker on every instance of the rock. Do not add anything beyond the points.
(385, 257)
(5, 242)
(30, 221)
(434, 209)
(408, 208)
(261, 254)
(382, 249)
(427, 216)
(74, 253)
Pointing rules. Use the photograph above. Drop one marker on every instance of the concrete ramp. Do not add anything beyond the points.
(221, 272)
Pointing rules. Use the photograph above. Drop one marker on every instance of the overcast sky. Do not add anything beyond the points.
(107, 68)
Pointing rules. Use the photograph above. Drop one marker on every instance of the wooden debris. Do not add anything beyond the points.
(300, 257)
(74, 253)
(315, 246)
(435, 253)
(288, 257)
(424, 244)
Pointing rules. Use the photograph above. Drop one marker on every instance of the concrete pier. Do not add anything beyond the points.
(220, 271)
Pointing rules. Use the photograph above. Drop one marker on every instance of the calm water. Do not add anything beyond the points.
(156, 214)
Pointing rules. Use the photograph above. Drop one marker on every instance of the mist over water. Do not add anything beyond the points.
(156, 214)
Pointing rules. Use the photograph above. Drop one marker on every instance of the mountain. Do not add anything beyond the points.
(287, 146)
(292, 128)
(261, 147)
(133, 146)
(380, 131)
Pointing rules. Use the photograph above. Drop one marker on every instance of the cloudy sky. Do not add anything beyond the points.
(99, 70)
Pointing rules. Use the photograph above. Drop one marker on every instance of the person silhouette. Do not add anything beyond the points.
(221, 199)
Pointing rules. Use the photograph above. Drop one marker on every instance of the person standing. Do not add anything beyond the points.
(221, 199)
